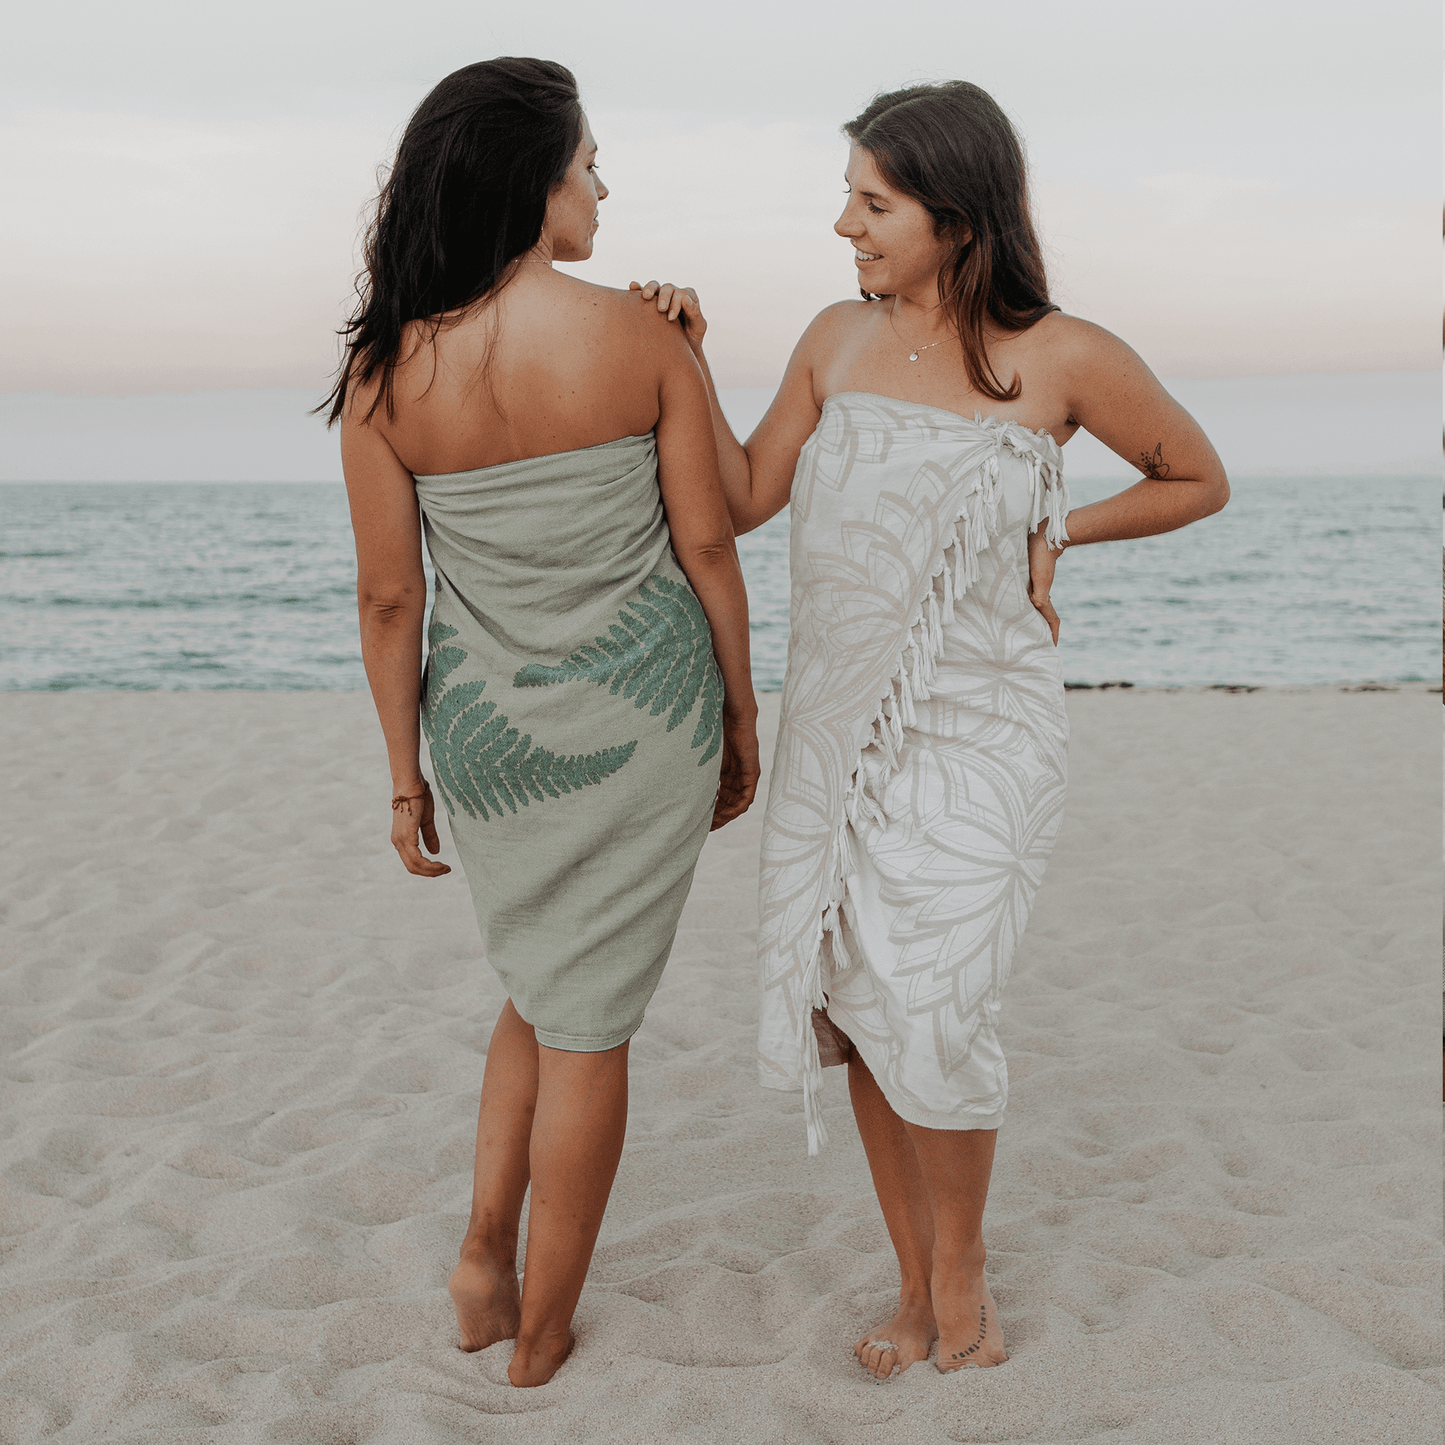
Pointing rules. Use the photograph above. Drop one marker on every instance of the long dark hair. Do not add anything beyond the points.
(952, 149)
(465, 198)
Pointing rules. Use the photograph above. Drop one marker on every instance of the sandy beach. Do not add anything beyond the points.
(243, 1048)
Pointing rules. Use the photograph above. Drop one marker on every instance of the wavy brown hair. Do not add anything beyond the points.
(952, 149)
(466, 197)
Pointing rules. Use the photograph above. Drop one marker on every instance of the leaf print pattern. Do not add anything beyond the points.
(482, 763)
(658, 652)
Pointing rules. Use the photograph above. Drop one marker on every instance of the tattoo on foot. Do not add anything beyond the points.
(982, 1330)
(1155, 467)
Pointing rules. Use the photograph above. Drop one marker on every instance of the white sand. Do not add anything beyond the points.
(243, 1049)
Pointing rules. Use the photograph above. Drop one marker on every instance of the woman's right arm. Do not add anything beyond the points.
(702, 541)
(757, 476)
(391, 601)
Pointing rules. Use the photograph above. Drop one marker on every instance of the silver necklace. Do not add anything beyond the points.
(913, 355)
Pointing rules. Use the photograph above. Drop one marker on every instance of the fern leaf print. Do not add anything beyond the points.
(483, 764)
(658, 654)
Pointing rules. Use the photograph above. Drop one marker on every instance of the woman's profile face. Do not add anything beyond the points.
(572, 207)
(892, 234)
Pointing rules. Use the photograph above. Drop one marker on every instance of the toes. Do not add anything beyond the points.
(878, 1357)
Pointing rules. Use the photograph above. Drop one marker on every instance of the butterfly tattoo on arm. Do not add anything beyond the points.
(1155, 467)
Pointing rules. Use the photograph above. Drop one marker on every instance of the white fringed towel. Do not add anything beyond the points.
(893, 503)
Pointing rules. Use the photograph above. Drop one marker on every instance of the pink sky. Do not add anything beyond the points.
(1231, 194)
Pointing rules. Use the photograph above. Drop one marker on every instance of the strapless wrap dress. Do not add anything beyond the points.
(919, 778)
(573, 710)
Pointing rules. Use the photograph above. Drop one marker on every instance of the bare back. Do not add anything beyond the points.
(553, 364)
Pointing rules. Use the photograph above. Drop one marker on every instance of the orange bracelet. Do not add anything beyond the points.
(401, 798)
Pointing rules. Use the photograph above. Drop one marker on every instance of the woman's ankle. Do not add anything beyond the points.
(915, 1292)
(544, 1339)
(964, 1262)
(490, 1247)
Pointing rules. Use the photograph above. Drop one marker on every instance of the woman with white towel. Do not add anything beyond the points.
(920, 770)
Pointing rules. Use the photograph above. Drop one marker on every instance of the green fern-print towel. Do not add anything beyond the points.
(574, 712)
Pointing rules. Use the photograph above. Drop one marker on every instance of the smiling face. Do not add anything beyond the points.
(897, 251)
(572, 205)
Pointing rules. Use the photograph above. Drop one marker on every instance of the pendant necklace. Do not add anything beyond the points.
(913, 355)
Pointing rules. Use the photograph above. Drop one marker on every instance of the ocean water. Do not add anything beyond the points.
(241, 585)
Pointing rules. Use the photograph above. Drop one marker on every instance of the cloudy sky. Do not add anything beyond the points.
(1236, 188)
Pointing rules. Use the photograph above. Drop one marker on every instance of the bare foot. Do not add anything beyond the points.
(969, 1333)
(903, 1341)
(487, 1301)
(536, 1361)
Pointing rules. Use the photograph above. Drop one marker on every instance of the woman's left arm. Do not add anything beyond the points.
(1115, 397)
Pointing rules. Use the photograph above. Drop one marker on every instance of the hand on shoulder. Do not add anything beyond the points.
(670, 302)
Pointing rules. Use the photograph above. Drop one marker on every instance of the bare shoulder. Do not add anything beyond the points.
(844, 318)
(614, 327)
(641, 325)
(835, 327)
(1078, 346)
(585, 301)
(589, 290)
(362, 408)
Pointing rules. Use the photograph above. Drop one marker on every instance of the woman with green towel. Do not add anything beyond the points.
(586, 696)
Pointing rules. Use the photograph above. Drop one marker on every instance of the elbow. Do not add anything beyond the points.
(390, 607)
(721, 552)
(1217, 496)
(1208, 493)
